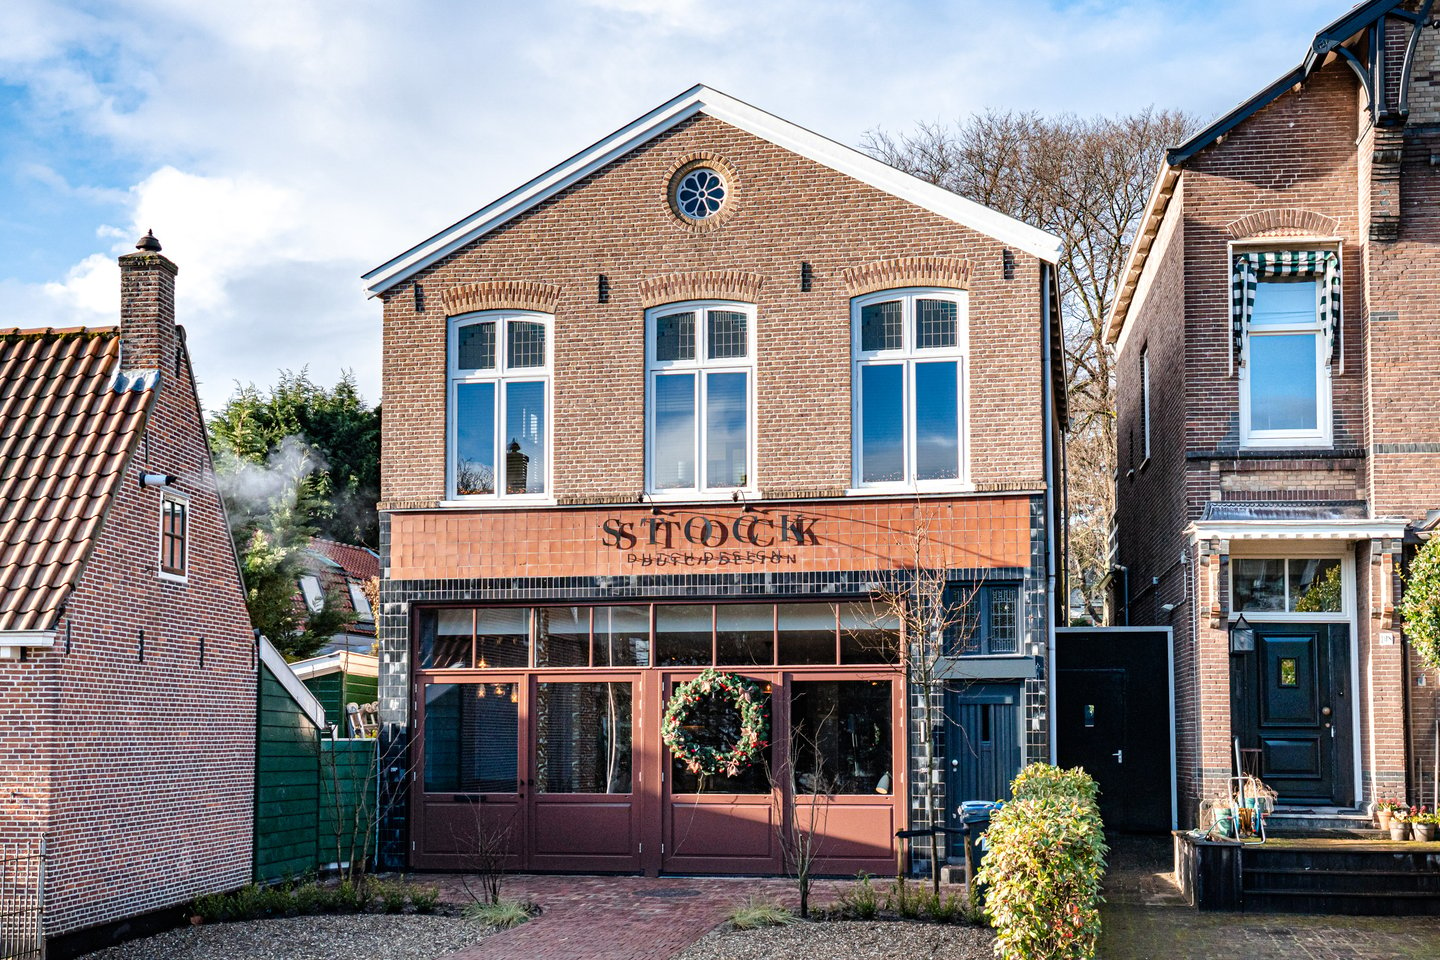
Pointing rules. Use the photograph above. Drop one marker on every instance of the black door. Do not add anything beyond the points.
(1292, 707)
(1113, 717)
(984, 744)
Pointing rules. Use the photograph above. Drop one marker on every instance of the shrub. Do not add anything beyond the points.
(393, 897)
(861, 901)
(1420, 605)
(424, 899)
(1044, 866)
(503, 914)
(755, 913)
(902, 901)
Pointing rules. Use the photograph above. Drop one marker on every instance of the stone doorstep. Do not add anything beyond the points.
(1317, 819)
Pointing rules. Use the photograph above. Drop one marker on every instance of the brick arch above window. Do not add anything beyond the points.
(701, 285)
(951, 272)
(1283, 222)
(500, 295)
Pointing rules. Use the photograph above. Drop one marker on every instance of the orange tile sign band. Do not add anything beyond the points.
(698, 541)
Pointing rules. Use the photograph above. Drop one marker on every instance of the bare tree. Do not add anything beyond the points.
(1085, 179)
(800, 824)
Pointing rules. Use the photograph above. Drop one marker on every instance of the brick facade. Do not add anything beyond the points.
(788, 218)
(130, 742)
(1308, 164)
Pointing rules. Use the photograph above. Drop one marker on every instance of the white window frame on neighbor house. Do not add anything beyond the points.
(1145, 411)
(907, 356)
(501, 377)
(182, 574)
(1323, 433)
(702, 365)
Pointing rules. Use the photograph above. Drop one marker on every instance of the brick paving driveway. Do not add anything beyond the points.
(619, 918)
(1145, 919)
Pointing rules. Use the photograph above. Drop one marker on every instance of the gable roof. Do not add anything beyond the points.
(1328, 39)
(69, 420)
(360, 563)
(702, 99)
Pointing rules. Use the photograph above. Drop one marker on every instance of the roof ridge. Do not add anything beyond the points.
(18, 332)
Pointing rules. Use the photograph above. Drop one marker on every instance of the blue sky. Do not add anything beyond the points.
(279, 148)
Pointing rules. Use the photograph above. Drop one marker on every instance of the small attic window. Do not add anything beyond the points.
(314, 596)
(360, 602)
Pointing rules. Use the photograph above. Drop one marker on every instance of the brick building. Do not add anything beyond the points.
(1275, 339)
(127, 674)
(690, 398)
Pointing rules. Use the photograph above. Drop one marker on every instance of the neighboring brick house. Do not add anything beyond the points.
(127, 661)
(1276, 342)
(690, 398)
(340, 571)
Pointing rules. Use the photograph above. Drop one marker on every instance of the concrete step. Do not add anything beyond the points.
(1310, 821)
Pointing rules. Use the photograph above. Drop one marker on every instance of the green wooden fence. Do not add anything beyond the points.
(314, 797)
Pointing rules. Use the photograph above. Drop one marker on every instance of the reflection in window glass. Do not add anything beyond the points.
(502, 637)
(471, 737)
(582, 742)
(1289, 675)
(744, 634)
(840, 731)
(726, 415)
(675, 337)
(727, 335)
(474, 438)
(476, 343)
(1315, 585)
(807, 633)
(936, 323)
(562, 637)
(445, 639)
(881, 326)
(937, 421)
(674, 447)
(1285, 301)
(682, 635)
(527, 344)
(716, 722)
(1283, 387)
(622, 636)
(1259, 585)
(882, 423)
(869, 633)
(525, 438)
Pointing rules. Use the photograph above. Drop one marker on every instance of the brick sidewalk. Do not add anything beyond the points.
(619, 918)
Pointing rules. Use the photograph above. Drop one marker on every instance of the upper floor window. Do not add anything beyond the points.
(499, 404)
(1287, 309)
(174, 534)
(983, 619)
(699, 425)
(908, 387)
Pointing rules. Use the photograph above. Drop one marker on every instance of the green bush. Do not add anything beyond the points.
(861, 901)
(755, 913)
(424, 899)
(1420, 605)
(504, 915)
(1044, 865)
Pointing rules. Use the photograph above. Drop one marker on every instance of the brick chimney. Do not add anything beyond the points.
(147, 307)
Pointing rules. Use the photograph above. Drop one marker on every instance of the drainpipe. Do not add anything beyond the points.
(1046, 280)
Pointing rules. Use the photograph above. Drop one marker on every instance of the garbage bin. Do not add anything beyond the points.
(975, 819)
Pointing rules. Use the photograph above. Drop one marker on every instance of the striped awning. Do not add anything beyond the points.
(1250, 268)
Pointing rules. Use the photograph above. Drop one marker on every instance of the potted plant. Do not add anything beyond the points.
(1385, 809)
(1423, 824)
(1400, 823)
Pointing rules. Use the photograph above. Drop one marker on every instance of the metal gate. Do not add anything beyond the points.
(22, 901)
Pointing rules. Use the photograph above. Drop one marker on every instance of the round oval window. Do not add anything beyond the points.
(700, 193)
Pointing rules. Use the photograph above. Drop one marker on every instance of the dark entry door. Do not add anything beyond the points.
(1091, 710)
(984, 741)
(1292, 705)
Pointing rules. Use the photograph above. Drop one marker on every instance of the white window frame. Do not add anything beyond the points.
(907, 356)
(700, 366)
(1145, 411)
(316, 604)
(499, 376)
(174, 496)
(1324, 433)
(1332, 550)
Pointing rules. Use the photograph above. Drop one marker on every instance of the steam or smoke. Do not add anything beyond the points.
(251, 489)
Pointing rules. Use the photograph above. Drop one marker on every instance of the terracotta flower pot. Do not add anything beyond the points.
(1382, 817)
(1424, 831)
(1399, 830)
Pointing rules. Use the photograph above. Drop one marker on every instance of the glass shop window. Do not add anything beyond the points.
(562, 637)
(869, 633)
(683, 634)
(841, 737)
(471, 738)
(807, 633)
(582, 742)
(745, 634)
(716, 722)
(622, 636)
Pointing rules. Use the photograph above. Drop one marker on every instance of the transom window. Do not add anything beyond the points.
(662, 634)
(699, 424)
(983, 619)
(1286, 585)
(174, 535)
(499, 405)
(1287, 305)
(909, 388)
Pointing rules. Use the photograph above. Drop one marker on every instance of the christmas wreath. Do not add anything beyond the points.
(703, 758)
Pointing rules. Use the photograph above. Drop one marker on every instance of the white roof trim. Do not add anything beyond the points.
(273, 659)
(782, 133)
(359, 664)
(1381, 529)
(11, 641)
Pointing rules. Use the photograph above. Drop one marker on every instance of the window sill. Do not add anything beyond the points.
(909, 490)
(727, 495)
(492, 503)
(168, 577)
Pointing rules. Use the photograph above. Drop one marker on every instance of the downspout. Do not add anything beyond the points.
(1051, 520)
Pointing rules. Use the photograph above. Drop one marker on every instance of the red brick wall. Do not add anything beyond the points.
(141, 772)
(787, 210)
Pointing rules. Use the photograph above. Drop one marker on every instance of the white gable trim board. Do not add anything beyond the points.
(782, 133)
(273, 659)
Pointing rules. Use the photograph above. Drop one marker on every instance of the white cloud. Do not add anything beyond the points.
(289, 147)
